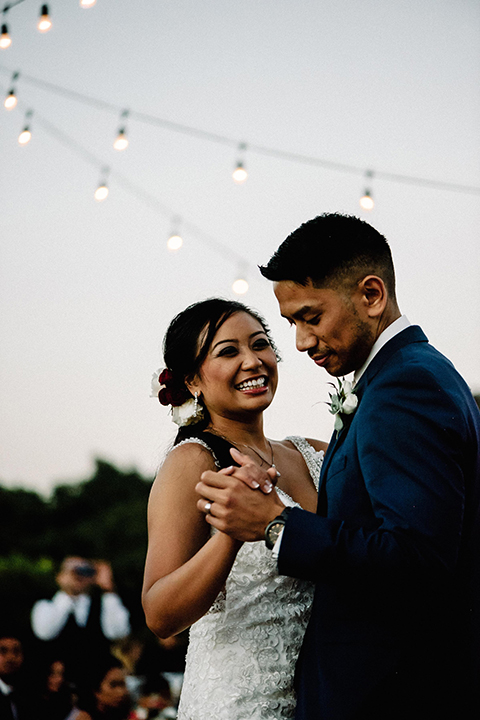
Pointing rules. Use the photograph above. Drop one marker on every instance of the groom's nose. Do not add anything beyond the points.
(305, 339)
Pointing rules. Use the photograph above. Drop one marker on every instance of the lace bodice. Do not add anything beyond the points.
(242, 653)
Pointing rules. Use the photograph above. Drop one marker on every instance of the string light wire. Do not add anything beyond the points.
(148, 199)
(252, 147)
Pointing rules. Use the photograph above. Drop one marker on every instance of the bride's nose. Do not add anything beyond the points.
(250, 360)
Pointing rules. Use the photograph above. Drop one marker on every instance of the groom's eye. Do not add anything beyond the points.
(314, 321)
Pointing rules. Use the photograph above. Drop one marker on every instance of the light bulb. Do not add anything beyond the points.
(174, 242)
(240, 286)
(44, 24)
(10, 100)
(239, 174)
(87, 3)
(25, 136)
(5, 40)
(121, 141)
(101, 192)
(366, 202)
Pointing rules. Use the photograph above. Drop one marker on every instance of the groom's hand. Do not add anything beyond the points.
(231, 503)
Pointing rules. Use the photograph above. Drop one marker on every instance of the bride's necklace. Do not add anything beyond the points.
(264, 461)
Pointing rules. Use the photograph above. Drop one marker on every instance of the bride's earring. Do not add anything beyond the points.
(195, 404)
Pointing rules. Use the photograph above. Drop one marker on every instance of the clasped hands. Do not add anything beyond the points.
(240, 501)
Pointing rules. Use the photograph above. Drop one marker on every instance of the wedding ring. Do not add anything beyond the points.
(207, 508)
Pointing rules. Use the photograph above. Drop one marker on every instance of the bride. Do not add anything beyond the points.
(247, 622)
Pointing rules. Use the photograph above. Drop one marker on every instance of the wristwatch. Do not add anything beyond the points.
(274, 528)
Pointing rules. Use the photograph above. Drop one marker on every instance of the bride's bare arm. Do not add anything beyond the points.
(185, 568)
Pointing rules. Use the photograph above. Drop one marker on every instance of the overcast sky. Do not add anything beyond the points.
(88, 289)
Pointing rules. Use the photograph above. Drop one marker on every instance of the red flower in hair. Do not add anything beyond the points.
(170, 394)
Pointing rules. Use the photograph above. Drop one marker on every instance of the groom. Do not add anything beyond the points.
(394, 546)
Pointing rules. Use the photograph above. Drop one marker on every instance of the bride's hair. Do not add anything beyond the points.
(188, 339)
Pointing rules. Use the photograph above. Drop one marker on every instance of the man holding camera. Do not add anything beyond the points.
(83, 617)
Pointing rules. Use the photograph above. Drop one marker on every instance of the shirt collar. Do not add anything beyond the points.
(4, 688)
(396, 327)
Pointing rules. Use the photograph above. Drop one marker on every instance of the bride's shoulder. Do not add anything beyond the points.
(297, 441)
(191, 450)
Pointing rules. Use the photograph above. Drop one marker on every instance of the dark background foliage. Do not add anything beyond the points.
(103, 517)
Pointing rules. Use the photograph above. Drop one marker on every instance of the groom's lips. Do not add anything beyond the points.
(320, 359)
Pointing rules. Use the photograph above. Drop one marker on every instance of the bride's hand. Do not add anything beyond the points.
(251, 473)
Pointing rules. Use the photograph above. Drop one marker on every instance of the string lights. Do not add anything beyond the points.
(366, 201)
(175, 240)
(239, 175)
(240, 286)
(87, 3)
(121, 141)
(5, 39)
(26, 134)
(44, 24)
(11, 98)
(101, 192)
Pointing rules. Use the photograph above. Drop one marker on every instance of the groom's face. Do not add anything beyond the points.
(331, 325)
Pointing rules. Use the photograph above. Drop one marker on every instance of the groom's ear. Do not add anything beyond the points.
(374, 295)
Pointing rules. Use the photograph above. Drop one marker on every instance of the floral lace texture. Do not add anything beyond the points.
(242, 653)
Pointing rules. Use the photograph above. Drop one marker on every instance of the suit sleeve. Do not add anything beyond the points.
(408, 439)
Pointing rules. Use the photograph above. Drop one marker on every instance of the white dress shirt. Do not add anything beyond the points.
(396, 327)
(49, 617)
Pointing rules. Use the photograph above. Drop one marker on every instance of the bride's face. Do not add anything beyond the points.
(239, 373)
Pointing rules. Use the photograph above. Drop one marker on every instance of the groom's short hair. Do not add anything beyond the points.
(330, 250)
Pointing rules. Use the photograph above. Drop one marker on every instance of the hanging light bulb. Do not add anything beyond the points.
(44, 24)
(174, 242)
(5, 40)
(240, 286)
(240, 174)
(102, 190)
(121, 141)
(10, 100)
(26, 134)
(366, 201)
(87, 3)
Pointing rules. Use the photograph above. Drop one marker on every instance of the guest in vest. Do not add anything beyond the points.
(83, 617)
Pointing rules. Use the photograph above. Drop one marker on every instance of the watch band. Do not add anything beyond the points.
(273, 529)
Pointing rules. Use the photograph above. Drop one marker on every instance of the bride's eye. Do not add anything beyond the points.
(261, 344)
(228, 351)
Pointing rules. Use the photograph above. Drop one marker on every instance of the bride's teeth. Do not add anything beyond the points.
(261, 382)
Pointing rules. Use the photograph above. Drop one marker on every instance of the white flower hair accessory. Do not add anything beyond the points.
(343, 402)
(189, 413)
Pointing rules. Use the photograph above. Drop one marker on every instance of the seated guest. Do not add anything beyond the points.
(104, 695)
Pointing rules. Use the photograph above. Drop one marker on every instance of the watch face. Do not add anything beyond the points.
(274, 531)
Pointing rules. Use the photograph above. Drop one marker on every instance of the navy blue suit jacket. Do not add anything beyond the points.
(394, 548)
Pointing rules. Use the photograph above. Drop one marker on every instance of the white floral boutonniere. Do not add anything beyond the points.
(343, 401)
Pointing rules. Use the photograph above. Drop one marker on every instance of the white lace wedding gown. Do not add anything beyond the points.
(242, 653)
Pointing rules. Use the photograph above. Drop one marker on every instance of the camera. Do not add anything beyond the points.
(85, 570)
